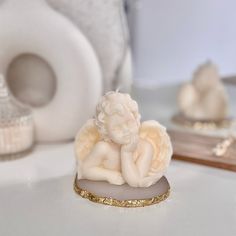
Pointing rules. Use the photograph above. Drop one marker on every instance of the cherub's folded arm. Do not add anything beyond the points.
(92, 165)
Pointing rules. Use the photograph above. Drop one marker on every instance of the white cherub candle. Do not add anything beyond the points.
(205, 97)
(117, 148)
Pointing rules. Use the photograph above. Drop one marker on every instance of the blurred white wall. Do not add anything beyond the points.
(173, 36)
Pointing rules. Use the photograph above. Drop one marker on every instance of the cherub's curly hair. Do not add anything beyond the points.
(114, 103)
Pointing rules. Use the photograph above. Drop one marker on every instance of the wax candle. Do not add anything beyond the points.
(16, 124)
(205, 97)
(118, 148)
(121, 161)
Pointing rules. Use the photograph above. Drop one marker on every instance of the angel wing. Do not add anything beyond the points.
(85, 140)
(156, 134)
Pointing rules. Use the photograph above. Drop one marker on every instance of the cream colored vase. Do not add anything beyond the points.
(49, 65)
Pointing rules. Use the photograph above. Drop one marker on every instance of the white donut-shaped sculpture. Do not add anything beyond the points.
(31, 26)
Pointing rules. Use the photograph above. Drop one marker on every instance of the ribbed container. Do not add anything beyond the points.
(16, 125)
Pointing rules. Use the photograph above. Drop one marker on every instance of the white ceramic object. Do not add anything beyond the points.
(117, 148)
(104, 24)
(204, 98)
(31, 26)
(124, 79)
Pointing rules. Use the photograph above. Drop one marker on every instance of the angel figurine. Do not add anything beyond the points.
(116, 147)
(205, 97)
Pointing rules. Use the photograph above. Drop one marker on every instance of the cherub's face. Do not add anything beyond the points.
(121, 128)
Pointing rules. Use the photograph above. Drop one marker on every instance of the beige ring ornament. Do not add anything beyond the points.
(32, 27)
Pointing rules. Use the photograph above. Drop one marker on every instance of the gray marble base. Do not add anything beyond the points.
(124, 192)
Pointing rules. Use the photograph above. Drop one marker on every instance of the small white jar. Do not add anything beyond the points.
(16, 124)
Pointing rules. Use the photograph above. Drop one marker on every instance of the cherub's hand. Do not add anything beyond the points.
(131, 146)
(146, 182)
(116, 178)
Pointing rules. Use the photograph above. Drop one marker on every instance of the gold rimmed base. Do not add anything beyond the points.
(199, 125)
(124, 195)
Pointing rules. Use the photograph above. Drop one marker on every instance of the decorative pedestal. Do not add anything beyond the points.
(122, 195)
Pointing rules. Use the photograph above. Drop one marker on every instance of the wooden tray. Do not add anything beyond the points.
(230, 80)
(198, 149)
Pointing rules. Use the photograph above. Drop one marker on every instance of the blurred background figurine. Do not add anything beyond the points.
(205, 97)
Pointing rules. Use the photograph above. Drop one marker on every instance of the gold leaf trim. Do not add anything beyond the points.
(120, 203)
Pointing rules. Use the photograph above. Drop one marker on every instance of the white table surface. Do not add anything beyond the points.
(37, 198)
